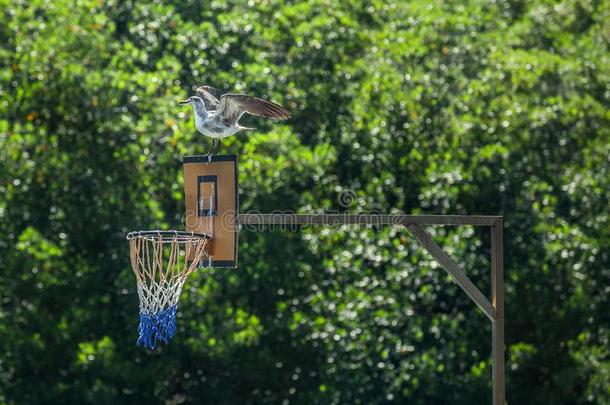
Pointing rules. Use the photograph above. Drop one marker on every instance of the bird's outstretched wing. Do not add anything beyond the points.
(233, 106)
(210, 96)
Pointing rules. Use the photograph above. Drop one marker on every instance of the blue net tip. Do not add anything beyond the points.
(156, 327)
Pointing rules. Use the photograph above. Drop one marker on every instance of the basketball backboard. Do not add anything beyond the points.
(211, 199)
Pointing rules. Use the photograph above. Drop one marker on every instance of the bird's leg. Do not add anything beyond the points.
(217, 145)
(213, 148)
(209, 154)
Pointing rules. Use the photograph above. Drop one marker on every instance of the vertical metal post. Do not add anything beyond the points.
(497, 301)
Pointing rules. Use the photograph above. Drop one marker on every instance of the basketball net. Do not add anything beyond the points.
(161, 262)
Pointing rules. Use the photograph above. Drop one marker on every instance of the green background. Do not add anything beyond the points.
(435, 107)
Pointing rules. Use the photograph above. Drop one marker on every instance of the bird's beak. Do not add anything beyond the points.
(184, 102)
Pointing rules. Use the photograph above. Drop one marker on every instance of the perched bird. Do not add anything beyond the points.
(217, 115)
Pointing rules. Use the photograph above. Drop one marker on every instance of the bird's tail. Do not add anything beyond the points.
(246, 128)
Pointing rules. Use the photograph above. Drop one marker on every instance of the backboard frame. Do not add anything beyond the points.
(218, 175)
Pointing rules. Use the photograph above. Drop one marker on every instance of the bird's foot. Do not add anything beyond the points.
(213, 149)
(210, 153)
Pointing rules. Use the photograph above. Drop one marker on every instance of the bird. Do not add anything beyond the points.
(217, 115)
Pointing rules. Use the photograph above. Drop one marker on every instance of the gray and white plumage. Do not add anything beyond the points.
(217, 115)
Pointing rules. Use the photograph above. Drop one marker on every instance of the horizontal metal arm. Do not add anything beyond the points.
(454, 270)
(365, 219)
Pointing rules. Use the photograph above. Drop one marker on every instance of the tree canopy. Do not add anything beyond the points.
(461, 107)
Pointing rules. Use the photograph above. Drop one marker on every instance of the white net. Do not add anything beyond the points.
(161, 262)
(156, 296)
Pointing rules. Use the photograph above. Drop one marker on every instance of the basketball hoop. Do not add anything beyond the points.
(161, 262)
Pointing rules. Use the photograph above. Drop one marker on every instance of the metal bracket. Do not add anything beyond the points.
(493, 309)
(454, 270)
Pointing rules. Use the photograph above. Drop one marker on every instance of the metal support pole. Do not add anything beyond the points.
(497, 301)
(364, 219)
(454, 271)
(494, 309)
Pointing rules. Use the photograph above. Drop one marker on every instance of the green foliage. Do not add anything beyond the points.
(422, 107)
